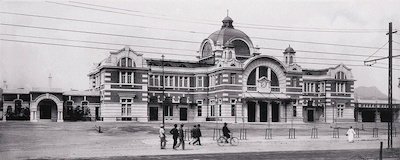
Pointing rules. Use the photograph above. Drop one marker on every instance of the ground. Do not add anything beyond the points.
(133, 140)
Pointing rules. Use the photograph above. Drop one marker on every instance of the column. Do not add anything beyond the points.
(4, 112)
(359, 114)
(60, 117)
(257, 111)
(377, 116)
(269, 112)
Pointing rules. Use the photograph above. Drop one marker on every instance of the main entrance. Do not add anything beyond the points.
(263, 112)
(48, 109)
(251, 113)
(275, 112)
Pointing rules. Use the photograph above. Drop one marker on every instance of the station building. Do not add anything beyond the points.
(230, 82)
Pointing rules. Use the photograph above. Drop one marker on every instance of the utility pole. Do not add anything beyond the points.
(390, 123)
(163, 94)
(390, 94)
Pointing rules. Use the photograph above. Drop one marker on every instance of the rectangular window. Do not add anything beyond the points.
(340, 110)
(219, 110)
(171, 81)
(212, 110)
(180, 81)
(171, 111)
(151, 79)
(126, 107)
(156, 80)
(123, 77)
(232, 78)
(129, 77)
(199, 111)
(233, 110)
(294, 111)
(166, 81)
(341, 87)
(199, 81)
(186, 82)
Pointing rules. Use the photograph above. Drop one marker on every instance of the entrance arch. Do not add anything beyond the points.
(47, 106)
(47, 109)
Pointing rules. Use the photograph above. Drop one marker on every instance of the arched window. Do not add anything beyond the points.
(291, 60)
(251, 80)
(126, 62)
(263, 72)
(241, 48)
(230, 55)
(340, 75)
(286, 60)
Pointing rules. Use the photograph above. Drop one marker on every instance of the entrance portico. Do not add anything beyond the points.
(46, 106)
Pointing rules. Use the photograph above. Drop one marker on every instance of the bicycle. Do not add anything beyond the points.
(222, 140)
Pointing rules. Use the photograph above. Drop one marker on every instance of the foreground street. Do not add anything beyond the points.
(80, 140)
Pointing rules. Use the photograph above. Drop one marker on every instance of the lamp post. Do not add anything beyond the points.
(163, 94)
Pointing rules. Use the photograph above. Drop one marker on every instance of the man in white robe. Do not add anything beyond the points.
(350, 134)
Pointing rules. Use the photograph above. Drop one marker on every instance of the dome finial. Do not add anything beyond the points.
(227, 12)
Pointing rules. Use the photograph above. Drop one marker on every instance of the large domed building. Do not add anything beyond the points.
(232, 81)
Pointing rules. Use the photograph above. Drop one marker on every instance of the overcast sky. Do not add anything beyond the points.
(65, 38)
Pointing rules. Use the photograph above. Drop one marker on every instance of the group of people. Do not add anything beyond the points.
(179, 133)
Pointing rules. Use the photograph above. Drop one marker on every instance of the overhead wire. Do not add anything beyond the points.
(376, 51)
(95, 42)
(153, 38)
(127, 25)
(244, 24)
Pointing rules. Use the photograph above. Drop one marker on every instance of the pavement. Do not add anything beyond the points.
(25, 140)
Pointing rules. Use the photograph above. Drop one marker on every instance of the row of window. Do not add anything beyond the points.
(184, 81)
(312, 87)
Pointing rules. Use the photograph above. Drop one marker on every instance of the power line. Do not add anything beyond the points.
(137, 26)
(98, 22)
(246, 24)
(113, 49)
(95, 42)
(97, 33)
(377, 51)
(122, 44)
(100, 33)
(319, 52)
(87, 47)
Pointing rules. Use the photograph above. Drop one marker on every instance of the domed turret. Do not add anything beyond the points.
(289, 55)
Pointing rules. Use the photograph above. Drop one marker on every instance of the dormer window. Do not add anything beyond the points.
(340, 75)
(126, 62)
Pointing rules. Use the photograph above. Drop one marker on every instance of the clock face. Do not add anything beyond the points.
(207, 50)
(263, 84)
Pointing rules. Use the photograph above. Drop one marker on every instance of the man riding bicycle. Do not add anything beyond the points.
(226, 132)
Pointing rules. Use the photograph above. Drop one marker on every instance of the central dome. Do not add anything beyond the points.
(227, 33)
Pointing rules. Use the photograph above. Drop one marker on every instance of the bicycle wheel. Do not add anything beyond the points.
(234, 141)
(221, 141)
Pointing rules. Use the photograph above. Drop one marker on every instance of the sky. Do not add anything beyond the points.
(65, 38)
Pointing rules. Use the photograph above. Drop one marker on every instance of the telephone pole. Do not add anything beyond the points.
(390, 94)
(390, 123)
(163, 90)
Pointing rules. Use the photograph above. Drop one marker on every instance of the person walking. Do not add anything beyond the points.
(175, 134)
(350, 134)
(181, 138)
(162, 137)
(197, 135)
(193, 134)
